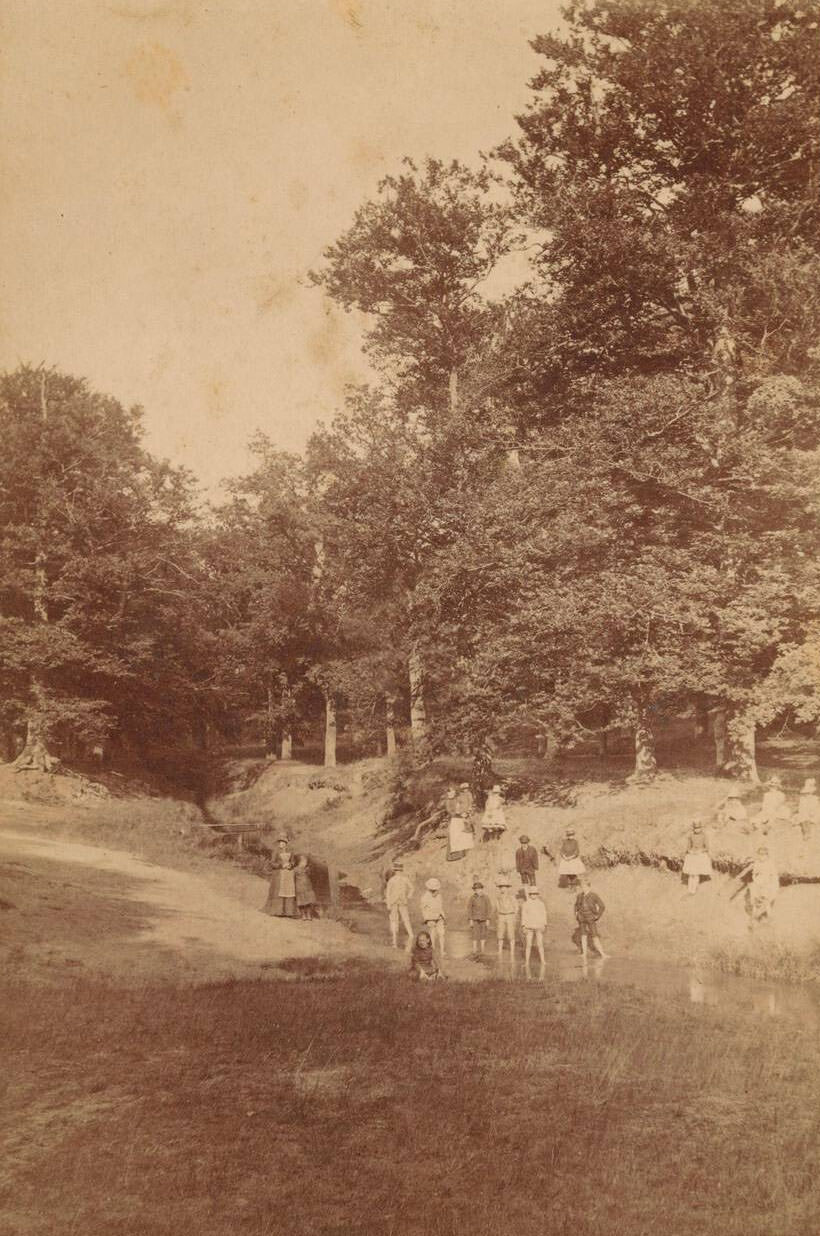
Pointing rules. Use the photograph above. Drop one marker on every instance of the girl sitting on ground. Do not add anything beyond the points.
(423, 964)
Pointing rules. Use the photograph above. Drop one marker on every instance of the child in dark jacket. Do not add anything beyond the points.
(478, 912)
(588, 910)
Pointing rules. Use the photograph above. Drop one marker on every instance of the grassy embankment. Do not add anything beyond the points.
(353, 1102)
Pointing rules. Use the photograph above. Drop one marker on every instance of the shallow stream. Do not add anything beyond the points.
(759, 997)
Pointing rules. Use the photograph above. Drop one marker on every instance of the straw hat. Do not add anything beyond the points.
(433, 885)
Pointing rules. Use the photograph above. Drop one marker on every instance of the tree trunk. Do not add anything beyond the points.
(453, 390)
(35, 753)
(418, 711)
(603, 744)
(701, 721)
(646, 766)
(330, 730)
(390, 725)
(741, 732)
(287, 735)
(270, 723)
(719, 731)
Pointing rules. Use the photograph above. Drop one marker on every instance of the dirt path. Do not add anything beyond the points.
(213, 932)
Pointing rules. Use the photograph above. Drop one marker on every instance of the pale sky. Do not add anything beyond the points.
(171, 170)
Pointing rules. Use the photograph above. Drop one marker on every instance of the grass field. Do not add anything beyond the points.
(350, 1101)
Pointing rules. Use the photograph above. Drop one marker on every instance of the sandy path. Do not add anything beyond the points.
(193, 915)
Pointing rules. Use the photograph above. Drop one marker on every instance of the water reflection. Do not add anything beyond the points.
(704, 987)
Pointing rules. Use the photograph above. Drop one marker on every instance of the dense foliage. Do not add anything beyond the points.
(574, 507)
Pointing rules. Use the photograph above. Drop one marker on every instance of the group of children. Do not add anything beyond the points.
(525, 909)
(759, 878)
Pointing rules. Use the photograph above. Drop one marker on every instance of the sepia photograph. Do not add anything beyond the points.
(409, 617)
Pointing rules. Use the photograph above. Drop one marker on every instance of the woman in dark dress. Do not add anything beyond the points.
(282, 892)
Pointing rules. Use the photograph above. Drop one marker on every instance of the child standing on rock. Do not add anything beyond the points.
(588, 910)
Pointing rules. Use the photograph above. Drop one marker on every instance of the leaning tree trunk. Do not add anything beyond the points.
(741, 732)
(646, 765)
(418, 712)
(390, 725)
(330, 730)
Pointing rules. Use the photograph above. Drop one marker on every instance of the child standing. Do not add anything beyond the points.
(570, 864)
(423, 965)
(526, 860)
(432, 911)
(494, 821)
(534, 922)
(397, 893)
(588, 910)
(478, 912)
(697, 862)
(305, 896)
(506, 908)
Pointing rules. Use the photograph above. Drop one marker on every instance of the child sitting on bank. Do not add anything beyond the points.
(423, 965)
(588, 910)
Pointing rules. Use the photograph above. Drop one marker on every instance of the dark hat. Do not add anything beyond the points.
(524, 839)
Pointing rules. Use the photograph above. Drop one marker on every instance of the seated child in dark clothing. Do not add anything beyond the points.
(423, 965)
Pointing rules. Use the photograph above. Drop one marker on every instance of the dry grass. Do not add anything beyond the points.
(362, 1104)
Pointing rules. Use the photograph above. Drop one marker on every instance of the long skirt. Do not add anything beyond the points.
(459, 836)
